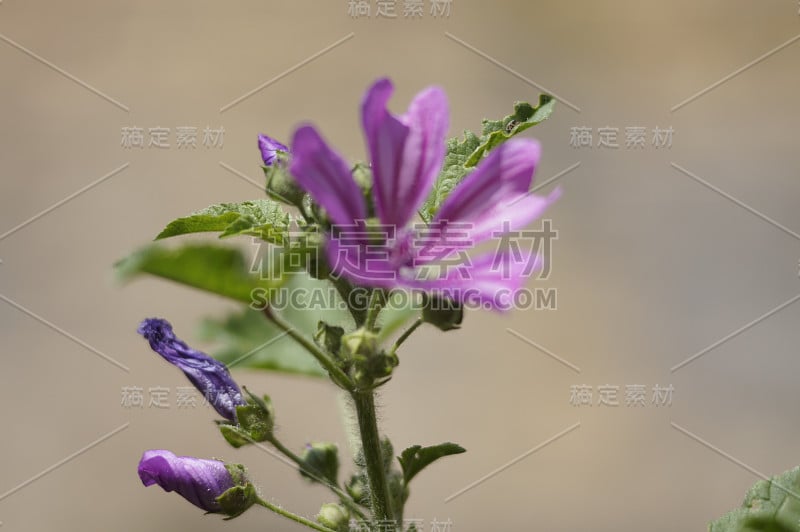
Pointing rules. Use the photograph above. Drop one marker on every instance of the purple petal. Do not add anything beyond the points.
(198, 481)
(491, 280)
(208, 375)
(406, 151)
(325, 175)
(504, 175)
(269, 148)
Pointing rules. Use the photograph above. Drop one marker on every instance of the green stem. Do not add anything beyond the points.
(376, 301)
(343, 497)
(405, 335)
(338, 376)
(294, 517)
(373, 455)
(345, 290)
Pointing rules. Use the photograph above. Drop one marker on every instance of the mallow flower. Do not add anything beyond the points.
(406, 154)
(208, 375)
(197, 480)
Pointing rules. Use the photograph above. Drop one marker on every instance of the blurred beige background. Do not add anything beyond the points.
(651, 266)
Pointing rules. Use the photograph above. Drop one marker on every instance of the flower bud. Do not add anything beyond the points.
(360, 343)
(321, 462)
(445, 314)
(334, 516)
(208, 484)
(270, 149)
(208, 375)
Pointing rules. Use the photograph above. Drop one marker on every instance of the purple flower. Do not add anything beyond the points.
(406, 154)
(198, 481)
(208, 375)
(269, 148)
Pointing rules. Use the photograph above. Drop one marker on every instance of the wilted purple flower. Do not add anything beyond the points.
(208, 375)
(407, 153)
(197, 480)
(269, 148)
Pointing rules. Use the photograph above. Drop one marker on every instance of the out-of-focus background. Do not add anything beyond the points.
(663, 252)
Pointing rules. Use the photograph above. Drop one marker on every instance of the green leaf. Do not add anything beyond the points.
(247, 339)
(416, 458)
(216, 269)
(525, 116)
(770, 505)
(263, 218)
(465, 153)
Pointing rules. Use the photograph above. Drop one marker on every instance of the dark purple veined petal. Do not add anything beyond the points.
(406, 151)
(323, 173)
(269, 148)
(197, 480)
(208, 375)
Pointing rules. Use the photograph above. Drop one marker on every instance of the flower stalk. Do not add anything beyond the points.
(294, 517)
(364, 402)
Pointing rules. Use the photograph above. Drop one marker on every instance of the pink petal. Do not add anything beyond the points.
(406, 151)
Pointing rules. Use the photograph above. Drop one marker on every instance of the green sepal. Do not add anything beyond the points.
(235, 501)
(281, 186)
(416, 458)
(234, 435)
(255, 421)
(329, 337)
(321, 462)
(238, 473)
(445, 314)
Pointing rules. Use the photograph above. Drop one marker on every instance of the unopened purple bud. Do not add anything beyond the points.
(197, 480)
(208, 375)
(269, 148)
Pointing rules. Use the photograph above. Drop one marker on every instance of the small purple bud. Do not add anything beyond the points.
(269, 148)
(208, 375)
(197, 480)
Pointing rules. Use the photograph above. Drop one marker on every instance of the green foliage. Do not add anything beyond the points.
(215, 269)
(247, 339)
(263, 218)
(525, 116)
(770, 506)
(463, 154)
(416, 458)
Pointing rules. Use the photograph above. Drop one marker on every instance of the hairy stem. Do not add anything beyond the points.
(345, 290)
(294, 517)
(336, 373)
(373, 455)
(376, 302)
(343, 497)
